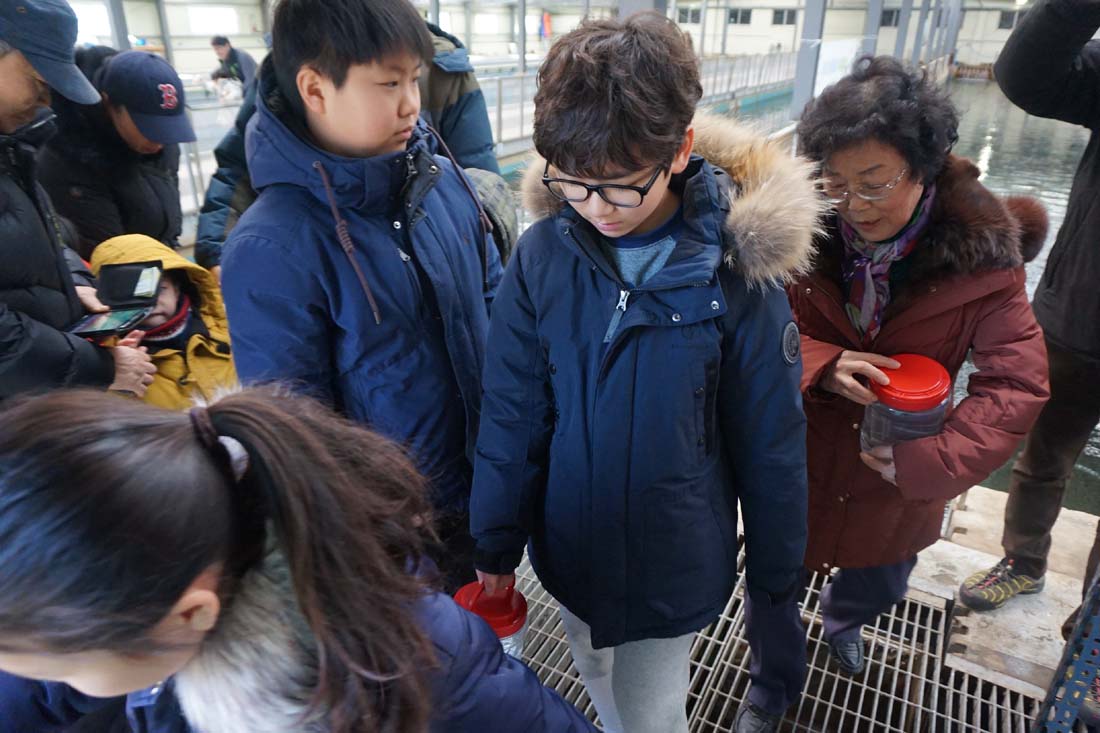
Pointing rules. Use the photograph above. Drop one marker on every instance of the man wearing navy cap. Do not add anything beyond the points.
(38, 299)
(113, 168)
(42, 33)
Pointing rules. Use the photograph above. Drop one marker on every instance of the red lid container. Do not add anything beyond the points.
(919, 384)
(505, 612)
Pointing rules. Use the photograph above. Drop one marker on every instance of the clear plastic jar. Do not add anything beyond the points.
(913, 405)
(514, 644)
(885, 425)
(505, 612)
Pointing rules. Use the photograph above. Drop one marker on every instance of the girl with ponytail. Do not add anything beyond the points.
(259, 558)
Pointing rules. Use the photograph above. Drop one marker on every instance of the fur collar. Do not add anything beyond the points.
(774, 213)
(256, 670)
(971, 230)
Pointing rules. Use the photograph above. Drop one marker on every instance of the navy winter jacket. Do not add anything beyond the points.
(621, 427)
(450, 100)
(395, 340)
(230, 192)
(477, 688)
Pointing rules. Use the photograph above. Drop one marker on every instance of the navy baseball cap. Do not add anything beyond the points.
(151, 91)
(44, 31)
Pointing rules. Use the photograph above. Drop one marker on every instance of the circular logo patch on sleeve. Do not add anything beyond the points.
(792, 345)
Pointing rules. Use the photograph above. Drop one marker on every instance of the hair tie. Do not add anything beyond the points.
(238, 456)
(232, 448)
(204, 427)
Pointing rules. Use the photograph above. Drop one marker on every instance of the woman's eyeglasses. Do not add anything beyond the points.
(574, 192)
(837, 194)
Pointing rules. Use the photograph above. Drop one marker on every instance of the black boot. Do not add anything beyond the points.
(752, 718)
(848, 655)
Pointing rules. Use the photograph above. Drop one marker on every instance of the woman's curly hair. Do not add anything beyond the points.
(883, 100)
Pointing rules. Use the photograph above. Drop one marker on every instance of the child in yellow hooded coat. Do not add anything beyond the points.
(187, 333)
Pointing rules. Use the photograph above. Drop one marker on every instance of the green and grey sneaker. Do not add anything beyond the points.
(993, 588)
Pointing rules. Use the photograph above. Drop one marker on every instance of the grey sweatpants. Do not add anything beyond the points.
(637, 687)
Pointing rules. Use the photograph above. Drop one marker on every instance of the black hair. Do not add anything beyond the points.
(332, 35)
(93, 62)
(883, 100)
(110, 508)
(219, 41)
(183, 283)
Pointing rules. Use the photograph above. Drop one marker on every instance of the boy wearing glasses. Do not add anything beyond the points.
(642, 378)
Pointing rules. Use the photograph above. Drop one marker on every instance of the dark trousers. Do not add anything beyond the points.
(777, 642)
(1046, 463)
(856, 596)
(454, 556)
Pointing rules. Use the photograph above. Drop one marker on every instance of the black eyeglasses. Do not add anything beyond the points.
(574, 192)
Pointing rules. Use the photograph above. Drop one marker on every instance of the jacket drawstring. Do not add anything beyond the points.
(345, 241)
(486, 222)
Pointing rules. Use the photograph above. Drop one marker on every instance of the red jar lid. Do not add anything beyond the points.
(919, 384)
(505, 612)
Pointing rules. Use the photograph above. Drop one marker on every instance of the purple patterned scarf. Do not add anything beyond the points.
(867, 267)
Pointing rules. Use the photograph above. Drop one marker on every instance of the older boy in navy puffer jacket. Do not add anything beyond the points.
(363, 271)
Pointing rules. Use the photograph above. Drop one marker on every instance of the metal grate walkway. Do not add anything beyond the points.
(905, 688)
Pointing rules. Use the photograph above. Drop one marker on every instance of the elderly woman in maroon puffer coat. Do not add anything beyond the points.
(918, 258)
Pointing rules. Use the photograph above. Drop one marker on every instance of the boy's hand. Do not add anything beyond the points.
(132, 339)
(881, 459)
(495, 584)
(841, 379)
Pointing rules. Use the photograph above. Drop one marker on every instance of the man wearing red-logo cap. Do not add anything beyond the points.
(113, 168)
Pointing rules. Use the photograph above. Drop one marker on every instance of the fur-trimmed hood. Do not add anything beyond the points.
(773, 213)
(257, 669)
(971, 230)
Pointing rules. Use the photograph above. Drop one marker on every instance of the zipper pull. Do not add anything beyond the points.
(403, 255)
(616, 316)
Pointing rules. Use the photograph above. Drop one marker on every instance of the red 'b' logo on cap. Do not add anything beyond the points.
(169, 98)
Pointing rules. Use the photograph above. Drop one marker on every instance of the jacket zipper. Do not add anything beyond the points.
(410, 173)
(616, 316)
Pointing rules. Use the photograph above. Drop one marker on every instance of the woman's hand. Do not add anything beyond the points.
(841, 378)
(881, 459)
(90, 299)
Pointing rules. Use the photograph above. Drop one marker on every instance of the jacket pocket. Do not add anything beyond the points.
(554, 392)
(685, 554)
(705, 395)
